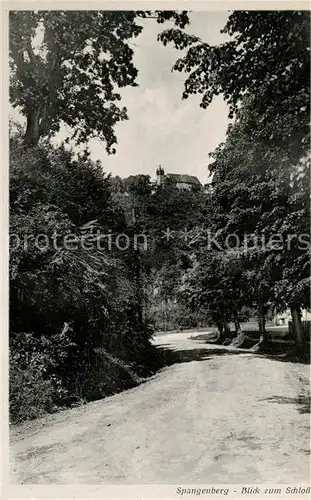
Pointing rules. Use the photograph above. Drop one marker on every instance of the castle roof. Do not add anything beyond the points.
(184, 178)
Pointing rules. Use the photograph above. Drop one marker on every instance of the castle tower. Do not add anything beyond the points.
(160, 175)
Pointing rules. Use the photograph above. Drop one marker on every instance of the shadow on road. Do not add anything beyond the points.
(279, 347)
(168, 356)
(171, 356)
(302, 401)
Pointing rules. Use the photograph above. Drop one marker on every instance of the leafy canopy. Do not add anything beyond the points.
(66, 66)
(267, 58)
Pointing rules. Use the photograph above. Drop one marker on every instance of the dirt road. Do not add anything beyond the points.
(210, 418)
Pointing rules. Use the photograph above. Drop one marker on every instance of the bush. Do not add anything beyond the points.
(36, 367)
(31, 394)
(173, 316)
(65, 304)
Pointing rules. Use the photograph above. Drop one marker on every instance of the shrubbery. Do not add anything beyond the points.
(66, 305)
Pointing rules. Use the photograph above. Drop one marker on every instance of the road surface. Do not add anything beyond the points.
(213, 417)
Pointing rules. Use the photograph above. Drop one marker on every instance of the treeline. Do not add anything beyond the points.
(82, 312)
(253, 251)
(261, 173)
(81, 315)
(239, 252)
(167, 216)
(77, 331)
(77, 328)
(249, 249)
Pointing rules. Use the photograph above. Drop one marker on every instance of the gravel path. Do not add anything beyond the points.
(227, 418)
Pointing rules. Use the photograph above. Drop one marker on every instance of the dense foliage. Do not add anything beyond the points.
(260, 173)
(73, 303)
(166, 216)
(66, 63)
(259, 217)
(77, 330)
(83, 308)
(267, 59)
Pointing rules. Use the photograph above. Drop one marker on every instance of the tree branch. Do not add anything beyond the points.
(33, 58)
(17, 57)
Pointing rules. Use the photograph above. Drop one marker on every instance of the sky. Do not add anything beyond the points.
(162, 128)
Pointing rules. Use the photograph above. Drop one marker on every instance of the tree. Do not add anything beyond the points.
(260, 205)
(116, 184)
(268, 59)
(138, 185)
(75, 331)
(66, 66)
(209, 285)
(163, 262)
(244, 192)
(263, 74)
(77, 186)
(292, 289)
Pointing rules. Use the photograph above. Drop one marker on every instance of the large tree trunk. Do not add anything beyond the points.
(228, 333)
(300, 336)
(237, 327)
(32, 134)
(240, 339)
(264, 338)
(227, 328)
(223, 332)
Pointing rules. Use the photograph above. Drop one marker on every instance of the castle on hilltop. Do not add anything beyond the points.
(183, 182)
